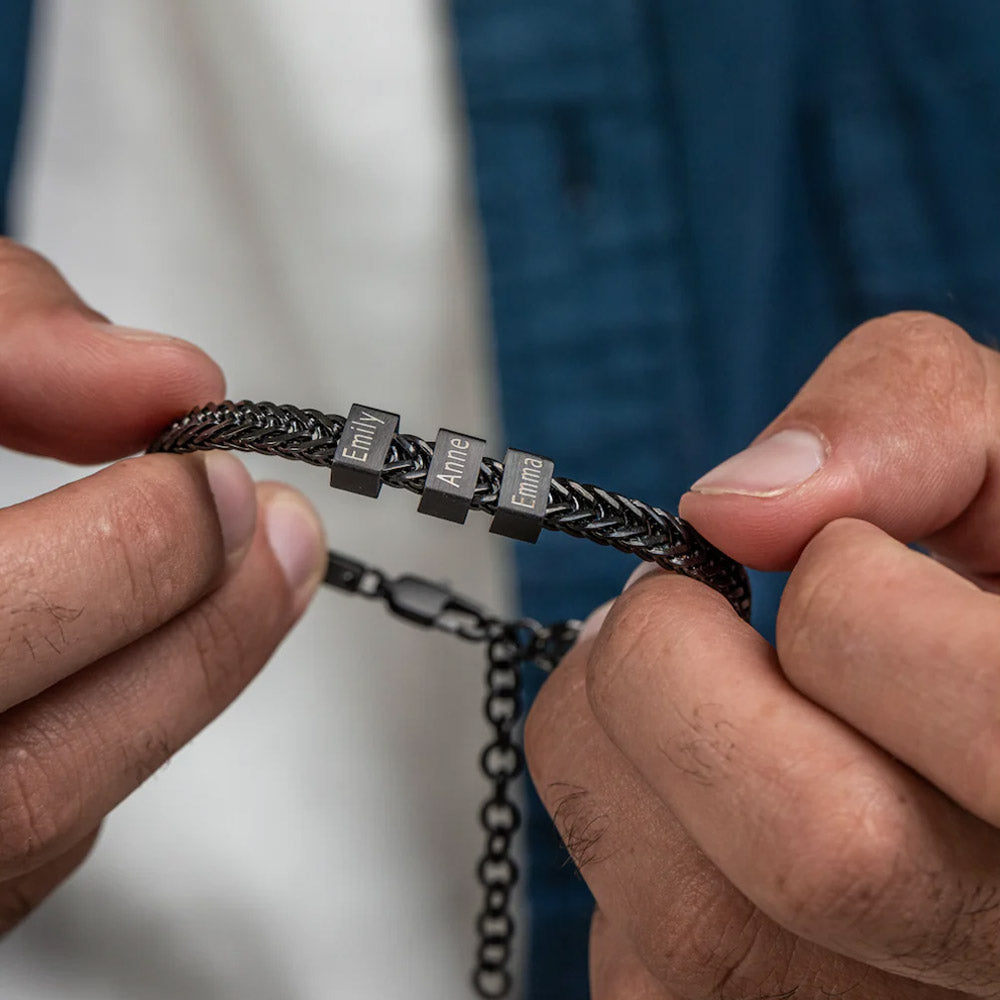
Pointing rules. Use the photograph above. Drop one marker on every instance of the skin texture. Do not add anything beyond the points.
(822, 817)
(136, 603)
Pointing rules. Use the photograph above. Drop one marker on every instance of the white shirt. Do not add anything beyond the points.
(282, 183)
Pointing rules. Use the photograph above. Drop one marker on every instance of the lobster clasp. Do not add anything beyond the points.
(435, 605)
(416, 599)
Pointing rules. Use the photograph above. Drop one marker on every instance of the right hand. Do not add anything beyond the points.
(136, 603)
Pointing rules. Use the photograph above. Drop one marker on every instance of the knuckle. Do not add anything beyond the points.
(12, 253)
(660, 621)
(977, 782)
(748, 961)
(914, 328)
(148, 531)
(542, 727)
(960, 922)
(682, 946)
(847, 879)
(37, 801)
(30, 622)
(626, 632)
(616, 968)
(704, 746)
(535, 726)
(555, 737)
(600, 926)
(31, 289)
(152, 749)
(822, 591)
(19, 267)
(19, 896)
(15, 904)
(580, 821)
(221, 648)
(719, 952)
(920, 348)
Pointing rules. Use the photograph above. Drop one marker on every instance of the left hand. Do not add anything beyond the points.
(821, 817)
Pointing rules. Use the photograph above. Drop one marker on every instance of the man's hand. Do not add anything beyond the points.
(823, 817)
(134, 604)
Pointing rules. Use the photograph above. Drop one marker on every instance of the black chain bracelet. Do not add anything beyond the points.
(453, 475)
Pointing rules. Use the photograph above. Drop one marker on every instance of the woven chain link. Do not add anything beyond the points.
(581, 510)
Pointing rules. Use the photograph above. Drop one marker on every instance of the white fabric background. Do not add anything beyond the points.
(282, 183)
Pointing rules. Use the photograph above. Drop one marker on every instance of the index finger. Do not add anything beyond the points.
(72, 386)
(94, 565)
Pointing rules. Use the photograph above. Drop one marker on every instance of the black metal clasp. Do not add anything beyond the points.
(415, 598)
(428, 603)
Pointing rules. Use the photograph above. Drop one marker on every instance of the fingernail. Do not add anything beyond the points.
(235, 499)
(593, 622)
(769, 467)
(133, 333)
(296, 538)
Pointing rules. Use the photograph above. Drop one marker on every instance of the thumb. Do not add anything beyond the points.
(73, 386)
(896, 427)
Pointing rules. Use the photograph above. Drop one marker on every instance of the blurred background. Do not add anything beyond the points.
(620, 233)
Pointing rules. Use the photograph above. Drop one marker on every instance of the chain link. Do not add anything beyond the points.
(579, 509)
(509, 646)
(502, 761)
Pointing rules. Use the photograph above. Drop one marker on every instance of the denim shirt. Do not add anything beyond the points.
(685, 206)
(15, 17)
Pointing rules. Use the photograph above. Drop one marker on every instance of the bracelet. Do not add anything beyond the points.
(452, 476)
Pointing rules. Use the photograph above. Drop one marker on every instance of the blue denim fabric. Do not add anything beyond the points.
(15, 21)
(685, 205)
